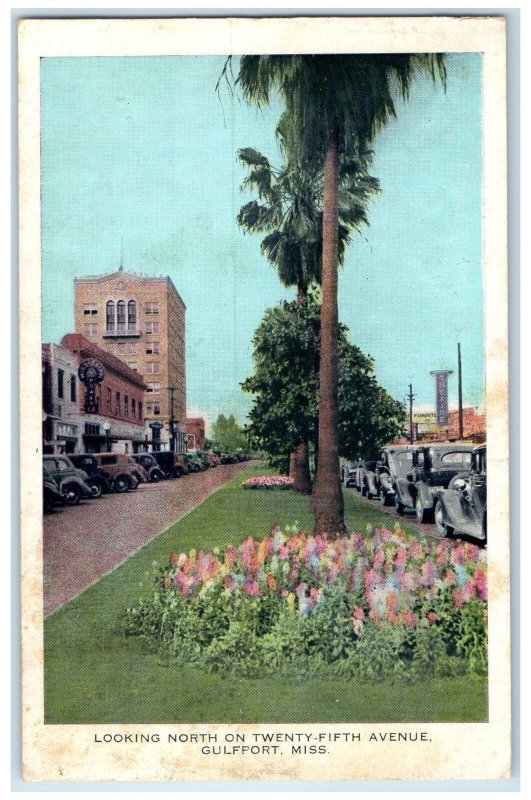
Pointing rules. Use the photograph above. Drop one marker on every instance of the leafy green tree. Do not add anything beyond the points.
(285, 388)
(229, 436)
(334, 106)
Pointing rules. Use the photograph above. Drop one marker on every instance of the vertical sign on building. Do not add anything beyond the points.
(441, 394)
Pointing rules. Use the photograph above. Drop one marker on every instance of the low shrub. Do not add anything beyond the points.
(382, 606)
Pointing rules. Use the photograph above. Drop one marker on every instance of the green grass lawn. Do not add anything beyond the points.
(94, 674)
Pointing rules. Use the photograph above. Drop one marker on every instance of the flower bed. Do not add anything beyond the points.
(379, 606)
(268, 482)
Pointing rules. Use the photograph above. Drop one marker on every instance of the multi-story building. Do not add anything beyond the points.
(60, 398)
(141, 320)
(114, 418)
(195, 433)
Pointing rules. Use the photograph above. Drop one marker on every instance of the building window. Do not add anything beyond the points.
(152, 348)
(109, 315)
(60, 383)
(133, 365)
(153, 387)
(152, 367)
(120, 316)
(156, 409)
(140, 409)
(89, 310)
(131, 315)
(133, 407)
(90, 328)
(109, 400)
(152, 308)
(126, 406)
(152, 327)
(92, 430)
(132, 348)
(73, 393)
(118, 410)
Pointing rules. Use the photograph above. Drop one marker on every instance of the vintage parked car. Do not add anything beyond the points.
(395, 462)
(365, 476)
(348, 473)
(193, 462)
(172, 464)
(433, 468)
(149, 463)
(97, 478)
(123, 472)
(462, 508)
(51, 494)
(71, 481)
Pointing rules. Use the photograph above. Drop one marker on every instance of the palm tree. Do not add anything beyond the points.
(335, 105)
(290, 212)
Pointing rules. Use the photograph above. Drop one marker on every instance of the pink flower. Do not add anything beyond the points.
(429, 573)
(409, 619)
(358, 613)
(431, 616)
(481, 584)
(450, 578)
(457, 595)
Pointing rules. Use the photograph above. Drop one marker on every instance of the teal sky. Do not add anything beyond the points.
(143, 148)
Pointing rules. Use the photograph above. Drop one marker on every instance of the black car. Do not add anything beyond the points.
(394, 462)
(149, 462)
(433, 467)
(71, 481)
(97, 478)
(462, 508)
(51, 493)
(171, 464)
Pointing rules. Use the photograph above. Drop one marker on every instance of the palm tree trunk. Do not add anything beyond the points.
(299, 468)
(328, 505)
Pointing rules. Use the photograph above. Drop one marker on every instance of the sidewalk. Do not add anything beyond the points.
(82, 543)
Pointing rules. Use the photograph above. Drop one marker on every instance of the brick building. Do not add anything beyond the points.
(141, 320)
(118, 419)
(473, 425)
(195, 433)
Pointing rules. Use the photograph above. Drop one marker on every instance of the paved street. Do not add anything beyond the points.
(84, 542)
(427, 527)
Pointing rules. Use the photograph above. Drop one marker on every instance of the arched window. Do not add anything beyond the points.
(120, 316)
(110, 316)
(131, 315)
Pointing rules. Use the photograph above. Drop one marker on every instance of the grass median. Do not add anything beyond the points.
(94, 674)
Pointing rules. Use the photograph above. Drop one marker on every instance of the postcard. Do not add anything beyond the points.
(263, 345)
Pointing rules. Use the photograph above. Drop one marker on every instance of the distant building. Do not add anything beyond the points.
(195, 433)
(474, 427)
(141, 320)
(60, 400)
(117, 420)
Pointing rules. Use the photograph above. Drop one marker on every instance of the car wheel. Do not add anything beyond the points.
(156, 476)
(96, 489)
(72, 493)
(363, 491)
(423, 514)
(440, 525)
(121, 484)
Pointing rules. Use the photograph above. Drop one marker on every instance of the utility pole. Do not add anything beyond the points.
(411, 397)
(171, 390)
(460, 391)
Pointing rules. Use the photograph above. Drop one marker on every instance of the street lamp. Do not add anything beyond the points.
(107, 429)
